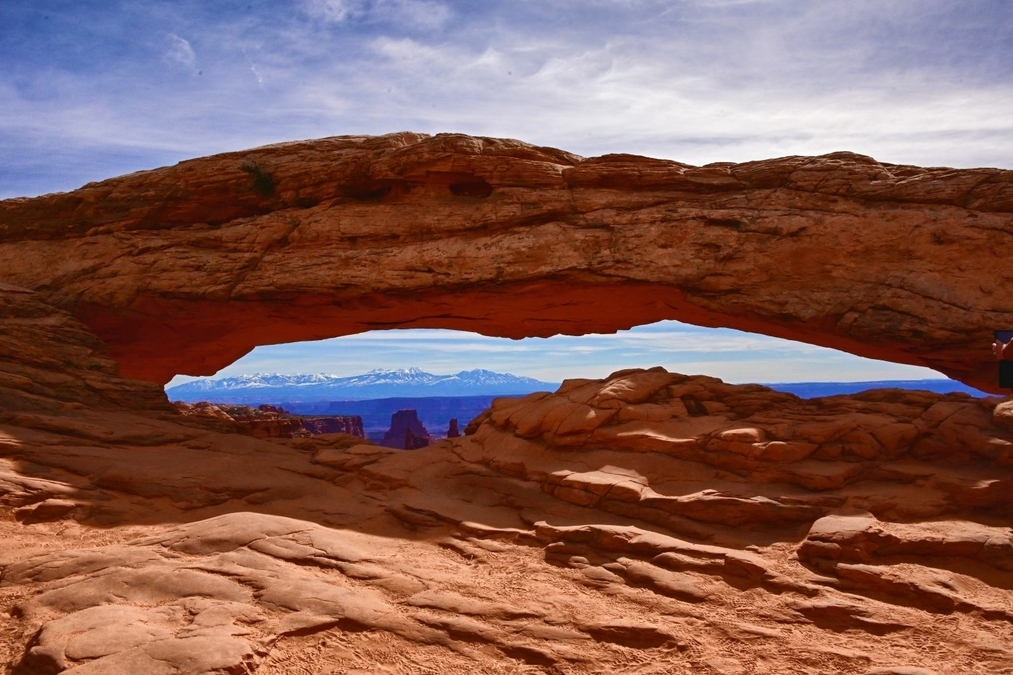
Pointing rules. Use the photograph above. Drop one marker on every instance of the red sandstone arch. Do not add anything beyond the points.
(185, 269)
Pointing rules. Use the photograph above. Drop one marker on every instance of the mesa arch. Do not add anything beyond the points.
(186, 268)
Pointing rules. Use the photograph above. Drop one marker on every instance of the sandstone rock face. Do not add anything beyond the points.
(335, 424)
(258, 422)
(406, 432)
(186, 268)
(50, 361)
(649, 522)
(268, 421)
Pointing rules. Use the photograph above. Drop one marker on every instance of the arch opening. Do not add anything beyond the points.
(442, 378)
(737, 357)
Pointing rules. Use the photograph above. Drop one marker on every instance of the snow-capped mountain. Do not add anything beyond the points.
(378, 383)
(257, 381)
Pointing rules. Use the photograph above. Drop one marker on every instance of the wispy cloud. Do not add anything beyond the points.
(425, 14)
(331, 11)
(928, 82)
(180, 53)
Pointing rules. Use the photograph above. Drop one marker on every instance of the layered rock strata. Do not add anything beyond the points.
(50, 361)
(649, 522)
(406, 432)
(268, 421)
(334, 424)
(186, 268)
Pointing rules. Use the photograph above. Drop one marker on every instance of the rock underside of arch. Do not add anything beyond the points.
(184, 269)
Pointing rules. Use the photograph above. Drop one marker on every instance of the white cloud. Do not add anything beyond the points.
(693, 81)
(179, 52)
(424, 14)
(331, 11)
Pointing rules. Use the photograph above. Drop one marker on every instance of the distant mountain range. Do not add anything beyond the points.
(379, 383)
(818, 389)
(384, 383)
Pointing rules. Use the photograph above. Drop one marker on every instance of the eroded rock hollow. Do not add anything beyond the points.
(186, 268)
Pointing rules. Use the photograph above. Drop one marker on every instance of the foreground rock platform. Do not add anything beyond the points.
(649, 522)
(185, 269)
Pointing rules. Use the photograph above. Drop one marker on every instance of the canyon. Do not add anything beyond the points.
(269, 421)
(646, 522)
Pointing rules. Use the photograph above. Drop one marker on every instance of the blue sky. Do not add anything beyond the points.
(90, 90)
(732, 355)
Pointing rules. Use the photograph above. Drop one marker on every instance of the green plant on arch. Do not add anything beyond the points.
(263, 182)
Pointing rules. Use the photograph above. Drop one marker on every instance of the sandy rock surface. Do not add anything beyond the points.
(650, 522)
(185, 269)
